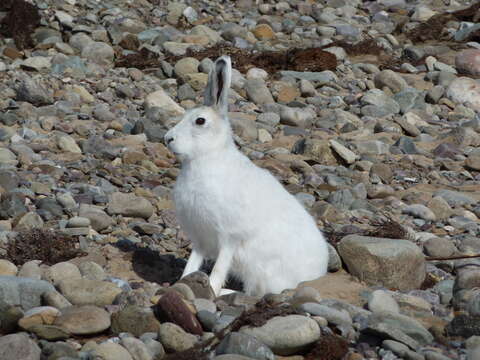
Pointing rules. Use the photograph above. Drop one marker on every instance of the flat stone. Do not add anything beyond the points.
(286, 335)
(381, 301)
(83, 320)
(89, 292)
(130, 205)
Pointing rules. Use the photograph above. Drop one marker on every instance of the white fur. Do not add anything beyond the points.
(235, 212)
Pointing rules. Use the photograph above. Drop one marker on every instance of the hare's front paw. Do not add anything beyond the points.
(226, 292)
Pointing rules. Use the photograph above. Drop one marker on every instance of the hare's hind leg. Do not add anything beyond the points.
(194, 262)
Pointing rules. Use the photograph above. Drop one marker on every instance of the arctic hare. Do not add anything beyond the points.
(235, 212)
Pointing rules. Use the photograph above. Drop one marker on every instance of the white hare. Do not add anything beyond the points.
(235, 212)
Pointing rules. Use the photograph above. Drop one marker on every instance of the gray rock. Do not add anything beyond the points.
(390, 79)
(296, 116)
(286, 335)
(258, 92)
(174, 338)
(407, 325)
(33, 92)
(334, 260)
(381, 301)
(61, 271)
(135, 320)
(455, 198)
(333, 316)
(395, 264)
(419, 211)
(89, 292)
(439, 247)
(18, 347)
(242, 344)
(99, 219)
(24, 292)
(320, 78)
(137, 349)
(111, 351)
(99, 53)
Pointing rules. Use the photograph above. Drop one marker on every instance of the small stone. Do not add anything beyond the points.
(34, 93)
(263, 32)
(464, 90)
(174, 338)
(83, 320)
(135, 320)
(258, 92)
(43, 315)
(381, 301)
(286, 335)
(161, 99)
(199, 283)
(62, 271)
(242, 344)
(440, 247)
(111, 351)
(67, 143)
(468, 62)
(130, 205)
(99, 53)
(137, 348)
(419, 211)
(171, 308)
(18, 347)
(7, 268)
(345, 153)
(391, 80)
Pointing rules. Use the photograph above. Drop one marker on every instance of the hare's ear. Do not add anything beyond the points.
(219, 79)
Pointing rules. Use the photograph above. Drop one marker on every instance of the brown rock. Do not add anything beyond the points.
(468, 62)
(288, 93)
(200, 284)
(83, 320)
(263, 32)
(473, 163)
(383, 171)
(171, 308)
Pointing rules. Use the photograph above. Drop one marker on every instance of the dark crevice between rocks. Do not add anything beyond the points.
(20, 23)
(40, 244)
(312, 59)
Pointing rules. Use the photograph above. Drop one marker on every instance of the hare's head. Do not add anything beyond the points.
(205, 129)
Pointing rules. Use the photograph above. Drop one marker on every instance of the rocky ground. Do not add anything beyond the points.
(367, 111)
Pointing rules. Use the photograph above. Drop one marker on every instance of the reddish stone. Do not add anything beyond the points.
(171, 308)
(468, 62)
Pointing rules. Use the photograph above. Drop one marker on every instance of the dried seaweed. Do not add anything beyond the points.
(312, 59)
(329, 347)
(387, 228)
(39, 244)
(434, 28)
(20, 23)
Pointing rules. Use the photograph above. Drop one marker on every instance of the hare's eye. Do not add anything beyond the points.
(200, 121)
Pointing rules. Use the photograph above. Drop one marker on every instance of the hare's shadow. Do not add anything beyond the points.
(152, 266)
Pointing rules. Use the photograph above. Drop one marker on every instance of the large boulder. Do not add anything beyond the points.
(395, 264)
